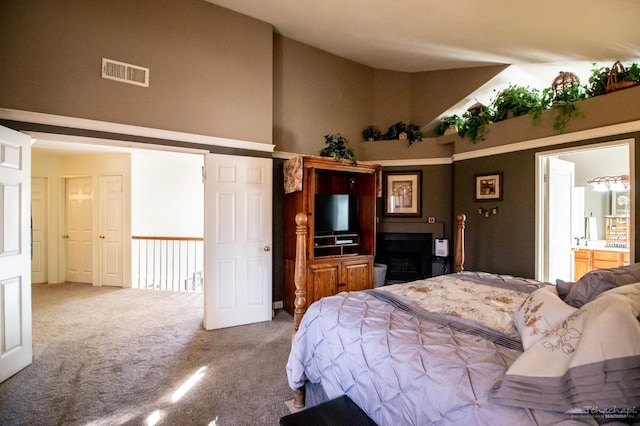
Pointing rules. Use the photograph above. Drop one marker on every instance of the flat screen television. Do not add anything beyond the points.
(335, 213)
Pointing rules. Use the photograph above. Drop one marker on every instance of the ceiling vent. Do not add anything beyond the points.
(125, 73)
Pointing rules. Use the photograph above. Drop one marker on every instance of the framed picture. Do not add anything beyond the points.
(620, 202)
(488, 187)
(402, 193)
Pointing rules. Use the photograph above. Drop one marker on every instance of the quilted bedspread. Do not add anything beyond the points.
(406, 365)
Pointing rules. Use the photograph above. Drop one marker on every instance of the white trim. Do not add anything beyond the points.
(616, 129)
(113, 144)
(386, 163)
(413, 162)
(126, 129)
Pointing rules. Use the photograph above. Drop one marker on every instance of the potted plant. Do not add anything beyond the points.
(563, 101)
(395, 131)
(448, 125)
(371, 133)
(475, 121)
(338, 148)
(515, 101)
(400, 130)
(413, 134)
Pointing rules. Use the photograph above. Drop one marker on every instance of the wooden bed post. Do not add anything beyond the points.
(300, 271)
(459, 254)
(300, 281)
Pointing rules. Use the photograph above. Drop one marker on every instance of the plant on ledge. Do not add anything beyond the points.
(475, 122)
(400, 130)
(450, 122)
(515, 101)
(565, 92)
(338, 148)
(371, 133)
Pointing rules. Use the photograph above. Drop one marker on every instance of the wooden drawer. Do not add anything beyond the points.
(606, 256)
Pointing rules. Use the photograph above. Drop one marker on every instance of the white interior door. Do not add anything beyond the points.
(238, 255)
(79, 230)
(39, 218)
(111, 236)
(15, 253)
(560, 181)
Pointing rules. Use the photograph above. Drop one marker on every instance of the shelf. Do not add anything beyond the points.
(336, 245)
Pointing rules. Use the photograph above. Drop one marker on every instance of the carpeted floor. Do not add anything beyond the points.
(106, 356)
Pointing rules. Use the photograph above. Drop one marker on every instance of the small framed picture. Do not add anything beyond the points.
(488, 186)
(402, 193)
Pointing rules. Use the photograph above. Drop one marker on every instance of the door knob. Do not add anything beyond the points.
(266, 248)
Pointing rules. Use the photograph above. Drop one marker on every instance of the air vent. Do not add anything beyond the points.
(125, 73)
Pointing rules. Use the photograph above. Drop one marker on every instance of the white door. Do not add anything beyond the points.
(39, 218)
(15, 253)
(111, 231)
(560, 183)
(237, 240)
(79, 230)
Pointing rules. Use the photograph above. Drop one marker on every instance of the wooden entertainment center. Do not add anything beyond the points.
(335, 261)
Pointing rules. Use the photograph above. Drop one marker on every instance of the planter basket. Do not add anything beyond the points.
(612, 82)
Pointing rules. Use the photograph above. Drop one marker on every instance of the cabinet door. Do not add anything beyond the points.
(581, 263)
(322, 280)
(356, 275)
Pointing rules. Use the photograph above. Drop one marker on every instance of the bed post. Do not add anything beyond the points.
(300, 271)
(459, 255)
(300, 281)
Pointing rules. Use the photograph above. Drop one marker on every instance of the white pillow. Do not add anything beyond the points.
(541, 313)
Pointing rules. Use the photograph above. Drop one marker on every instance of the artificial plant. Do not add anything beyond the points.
(338, 148)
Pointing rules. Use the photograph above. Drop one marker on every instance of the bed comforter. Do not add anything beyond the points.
(405, 362)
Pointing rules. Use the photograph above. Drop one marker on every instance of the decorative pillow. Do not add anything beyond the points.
(594, 283)
(590, 360)
(540, 314)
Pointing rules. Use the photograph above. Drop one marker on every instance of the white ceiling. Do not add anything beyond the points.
(537, 38)
(426, 35)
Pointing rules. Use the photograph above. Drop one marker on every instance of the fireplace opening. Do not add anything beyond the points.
(407, 255)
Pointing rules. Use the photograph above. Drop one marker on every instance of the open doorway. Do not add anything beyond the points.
(579, 226)
(143, 192)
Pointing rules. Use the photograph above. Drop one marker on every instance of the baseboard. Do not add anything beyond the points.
(277, 304)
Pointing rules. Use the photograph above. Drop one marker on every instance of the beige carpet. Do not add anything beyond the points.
(105, 356)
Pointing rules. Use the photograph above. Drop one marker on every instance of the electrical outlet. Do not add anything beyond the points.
(432, 219)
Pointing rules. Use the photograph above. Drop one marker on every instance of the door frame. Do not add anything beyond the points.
(540, 194)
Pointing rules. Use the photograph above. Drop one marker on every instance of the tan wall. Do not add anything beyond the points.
(210, 68)
(317, 93)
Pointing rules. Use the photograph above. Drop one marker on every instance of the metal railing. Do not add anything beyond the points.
(167, 263)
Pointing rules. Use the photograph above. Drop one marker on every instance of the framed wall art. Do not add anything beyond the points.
(402, 192)
(488, 187)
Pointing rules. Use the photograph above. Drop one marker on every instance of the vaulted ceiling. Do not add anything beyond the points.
(538, 38)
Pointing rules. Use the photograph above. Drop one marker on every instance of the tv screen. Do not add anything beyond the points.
(336, 213)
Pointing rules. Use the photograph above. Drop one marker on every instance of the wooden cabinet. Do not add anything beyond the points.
(336, 261)
(581, 263)
(329, 277)
(586, 259)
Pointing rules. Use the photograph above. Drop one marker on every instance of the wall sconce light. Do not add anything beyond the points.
(610, 183)
(487, 212)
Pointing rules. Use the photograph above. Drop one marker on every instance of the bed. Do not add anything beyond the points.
(476, 348)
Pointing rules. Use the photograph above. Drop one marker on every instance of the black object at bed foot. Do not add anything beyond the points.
(336, 412)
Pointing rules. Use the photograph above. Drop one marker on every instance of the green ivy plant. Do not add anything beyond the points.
(446, 122)
(412, 131)
(338, 148)
(564, 102)
(371, 133)
(475, 123)
(515, 101)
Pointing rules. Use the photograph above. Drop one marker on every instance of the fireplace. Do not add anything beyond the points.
(407, 256)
